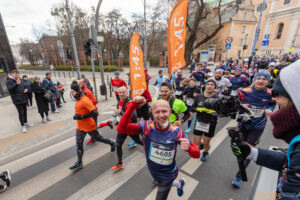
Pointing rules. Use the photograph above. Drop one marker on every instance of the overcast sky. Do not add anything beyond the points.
(24, 14)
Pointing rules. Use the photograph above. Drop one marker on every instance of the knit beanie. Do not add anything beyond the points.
(278, 88)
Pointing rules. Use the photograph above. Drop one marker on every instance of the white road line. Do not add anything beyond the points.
(108, 182)
(188, 189)
(52, 176)
(193, 164)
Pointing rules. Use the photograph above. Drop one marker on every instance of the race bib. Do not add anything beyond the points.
(234, 93)
(178, 92)
(190, 101)
(201, 126)
(161, 154)
(257, 111)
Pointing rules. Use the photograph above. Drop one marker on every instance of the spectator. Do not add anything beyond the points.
(57, 96)
(61, 89)
(17, 93)
(74, 81)
(27, 85)
(88, 82)
(116, 83)
(147, 76)
(49, 86)
(42, 103)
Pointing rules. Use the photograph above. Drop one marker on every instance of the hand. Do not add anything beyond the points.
(241, 150)
(268, 112)
(25, 91)
(19, 81)
(117, 111)
(77, 117)
(140, 100)
(184, 144)
(177, 123)
(195, 94)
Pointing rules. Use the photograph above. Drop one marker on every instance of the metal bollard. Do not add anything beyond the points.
(54, 74)
(59, 74)
(70, 74)
(64, 75)
(107, 80)
(110, 92)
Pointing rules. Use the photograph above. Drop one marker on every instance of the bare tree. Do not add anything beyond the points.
(31, 51)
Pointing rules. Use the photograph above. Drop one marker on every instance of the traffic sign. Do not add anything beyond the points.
(227, 46)
(267, 36)
(265, 43)
(229, 40)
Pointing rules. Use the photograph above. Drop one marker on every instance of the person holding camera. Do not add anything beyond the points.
(49, 86)
(206, 119)
(286, 123)
(222, 82)
(258, 99)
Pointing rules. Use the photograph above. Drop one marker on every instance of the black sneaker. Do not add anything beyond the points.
(7, 178)
(3, 188)
(77, 165)
(201, 146)
(113, 147)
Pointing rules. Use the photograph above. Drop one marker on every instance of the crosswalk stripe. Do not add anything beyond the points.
(36, 157)
(190, 186)
(108, 182)
(193, 164)
(52, 176)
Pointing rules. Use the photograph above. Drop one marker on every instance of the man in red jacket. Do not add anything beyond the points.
(116, 83)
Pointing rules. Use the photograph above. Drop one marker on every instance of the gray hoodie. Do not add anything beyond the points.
(221, 85)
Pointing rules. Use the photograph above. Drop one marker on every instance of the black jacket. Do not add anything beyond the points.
(16, 91)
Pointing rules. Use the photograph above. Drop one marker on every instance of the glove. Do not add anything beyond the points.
(78, 117)
(241, 150)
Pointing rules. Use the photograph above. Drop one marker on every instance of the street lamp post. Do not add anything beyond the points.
(145, 37)
(73, 39)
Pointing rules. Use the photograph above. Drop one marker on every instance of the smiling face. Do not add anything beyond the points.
(210, 87)
(165, 92)
(123, 93)
(161, 113)
(261, 83)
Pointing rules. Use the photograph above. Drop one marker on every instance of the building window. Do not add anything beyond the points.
(245, 15)
(279, 32)
(241, 42)
(243, 29)
(286, 2)
(259, 7)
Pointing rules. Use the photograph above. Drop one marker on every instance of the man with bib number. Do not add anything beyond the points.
(160, 142)
(206, 119)
(259, 100)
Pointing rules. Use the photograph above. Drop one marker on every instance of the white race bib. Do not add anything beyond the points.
(234, 93)
(178, 92)
(190, 101)
(161, 154)
(257, 111)
(201, 126)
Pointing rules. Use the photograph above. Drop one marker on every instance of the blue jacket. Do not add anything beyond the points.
(276, 160)
(27, 85)
(48, 85)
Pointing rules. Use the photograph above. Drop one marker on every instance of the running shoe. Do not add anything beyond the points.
(113, 147)
(109, 123)
(180, 190)
(188, 130)
(132, 144)
(7, 178)
(77, 165)
(91, 141)
(204, 157)
(237, 182)
(3, 188)
(24, 129)
(117, 166)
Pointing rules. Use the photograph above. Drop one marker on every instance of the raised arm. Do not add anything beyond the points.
(124, 126)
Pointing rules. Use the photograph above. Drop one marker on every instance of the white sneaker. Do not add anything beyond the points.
(24, 129)
(56, 111)
(48, 119)
(43, 120)
(28, 124)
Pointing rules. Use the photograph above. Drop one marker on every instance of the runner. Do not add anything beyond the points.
(178, 88)
(206, 120)
(238, 81)
(222, 83)
(84, 113)
(227, 72)
(116, 83)
(121, 137)
(189, 95)
(199, 75)
(274, 74)
(177, 105)
(143, 112)
(6, 178)
(161, 139)
(259, 99)
(160, 79)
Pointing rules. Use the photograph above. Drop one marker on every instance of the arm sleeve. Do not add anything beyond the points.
(147, 95)
(46, 84)
(92, 97)
(91, 114)
(186, 115)
(124, 83)
(11, 85)
(156, 81)
(271, 159)
(112, 83)
(124, 126)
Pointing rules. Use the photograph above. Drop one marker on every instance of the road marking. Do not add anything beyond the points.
(190, 186)
(193, 164)
(52, 176)
(108, 182)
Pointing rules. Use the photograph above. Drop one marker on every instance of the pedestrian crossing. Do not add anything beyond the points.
(96, 180)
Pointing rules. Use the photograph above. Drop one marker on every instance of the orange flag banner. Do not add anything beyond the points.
(176, 36)
(137, 74)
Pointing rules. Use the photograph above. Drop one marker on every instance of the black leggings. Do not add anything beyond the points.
(43, 114)
(80, 135)
(29, 98)
(62, 96)
(163, 190)
(121, 139)
(22, 110)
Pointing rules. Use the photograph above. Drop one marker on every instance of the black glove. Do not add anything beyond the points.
(78, 117)
(241, 150)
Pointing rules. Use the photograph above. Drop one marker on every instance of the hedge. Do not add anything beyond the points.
(107, 68)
